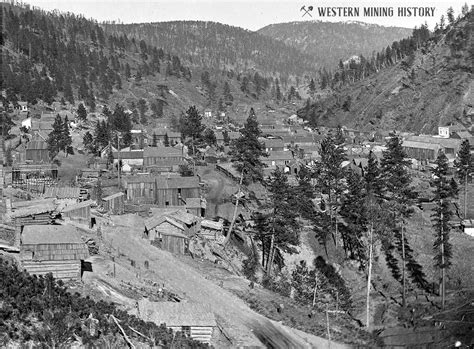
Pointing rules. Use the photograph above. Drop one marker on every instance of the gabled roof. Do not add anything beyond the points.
(205, 223)
(33, 210)
(62, 192)
(50, 234)
(177, 314)
(155, 221)
(133, 154)
(279, 155)
(184, 217)
(77, 206)
(113, 196)
(421, 145)
(162, 152)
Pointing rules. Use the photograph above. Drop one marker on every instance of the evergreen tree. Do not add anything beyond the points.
(398, 193)
(312, 87)
(88, 142)
(228, 98)
(55, 137)
(450, 15)
(66, 140)
(209, 137)
(166, 140)
(225, 135)
(191, 125)
(330, 176)
(81, 112)
(304, 193)
(464, 164)
(247, 150)
(283, 226)
(441, 217)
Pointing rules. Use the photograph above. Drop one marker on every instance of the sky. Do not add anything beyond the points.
(251, 15)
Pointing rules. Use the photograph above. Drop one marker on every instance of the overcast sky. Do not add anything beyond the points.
(247, 14)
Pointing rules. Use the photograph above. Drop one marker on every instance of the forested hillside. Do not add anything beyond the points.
(330, 42)
(416, 84)
(219, 46)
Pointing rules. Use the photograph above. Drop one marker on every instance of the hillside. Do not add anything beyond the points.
(330, 42)
(221, 47)
(430, 86)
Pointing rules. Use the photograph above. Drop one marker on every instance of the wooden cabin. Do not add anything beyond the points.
(162, 190)
(114, 203)
(192, 319)
(41, 214)
(163, 157)
(174, 242)
(64, 195)
(56, 249)
(212, 230)
(174, 191)
(37, 151)
(167, 233)
(79, 212)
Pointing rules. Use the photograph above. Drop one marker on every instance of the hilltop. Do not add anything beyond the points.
(330, 42)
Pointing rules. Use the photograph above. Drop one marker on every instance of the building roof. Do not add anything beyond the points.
(163, 182)
(184, 217)
(77, 206)
(275, 142)
(37, 145)
(33, 210)
(113, 196)
(62, 192)
(155, 221)
(132, 154)
(161, 152)
(140, 179)
(50, 234)
(444, 142)
(279, 155)
(205, 223)
(177, 314)
(421, 145)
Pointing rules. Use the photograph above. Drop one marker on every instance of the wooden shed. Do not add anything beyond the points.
(114, 203)
(80, 212)
(212, 230)
(174, 191)
(167, 233)
(192, 319)
(157, 155)
(141, 189)
(56, 249)
(41, 214)
(64, 195)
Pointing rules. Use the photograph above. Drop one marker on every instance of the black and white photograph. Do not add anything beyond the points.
(277, 174)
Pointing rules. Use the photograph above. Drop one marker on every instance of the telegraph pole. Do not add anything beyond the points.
(118, 160)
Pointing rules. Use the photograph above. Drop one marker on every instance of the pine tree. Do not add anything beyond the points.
(464, 164)
(450, 15)
(81, 112)
(283, 226)
(166, 140)
(209, 137)
(66, 140)
(442, 214)
(304, 193)
(247, 150)
(398, 193)
(192, 124)
(88, 142)
(55, 137)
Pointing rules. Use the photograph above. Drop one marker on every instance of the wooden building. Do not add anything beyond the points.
(37, 151)
(29, 173)
(274, 144)
(196, 206)
(41, 214)
(64, 195)
(80, 212)
(174, 191)
(212, 230)
(132, 157)
(114, 203)
(174, 242)
(421, 151)
(192, 319)
(162, 190)
(163, 157)
(167, 233)
(56, 249)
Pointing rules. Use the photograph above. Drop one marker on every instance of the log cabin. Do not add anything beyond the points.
(56, 249)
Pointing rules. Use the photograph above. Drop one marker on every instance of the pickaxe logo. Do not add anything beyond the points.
(307, 11)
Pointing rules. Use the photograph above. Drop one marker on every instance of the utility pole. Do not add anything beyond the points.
(403, 269)
(369, 277)
(118, 160)
(465, 193)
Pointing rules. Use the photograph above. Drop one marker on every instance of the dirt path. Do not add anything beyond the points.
(234, 315)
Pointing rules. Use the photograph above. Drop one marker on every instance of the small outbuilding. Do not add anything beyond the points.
(212, 230)
(80, 212)
(56, 249)
(192, 319)
(114, 203)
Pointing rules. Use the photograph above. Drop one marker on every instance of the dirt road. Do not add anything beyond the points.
(244, 326)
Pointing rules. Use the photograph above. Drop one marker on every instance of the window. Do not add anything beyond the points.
(186, 330)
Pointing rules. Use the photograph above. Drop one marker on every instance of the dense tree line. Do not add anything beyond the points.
(76, 57)
(40, 310)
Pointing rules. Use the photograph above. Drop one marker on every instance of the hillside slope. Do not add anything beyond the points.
(431, 87)
(330, 42)
(219, 46)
